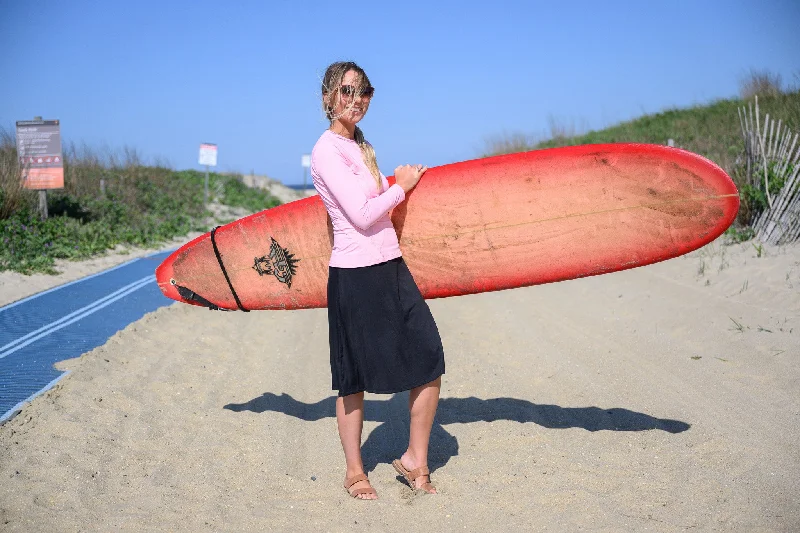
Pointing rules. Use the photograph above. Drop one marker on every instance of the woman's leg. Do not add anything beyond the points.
(422, 403)
(350, 419)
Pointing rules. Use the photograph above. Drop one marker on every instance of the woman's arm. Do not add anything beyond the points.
(338, 177)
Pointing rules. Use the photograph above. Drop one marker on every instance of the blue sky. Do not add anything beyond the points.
(163, 77)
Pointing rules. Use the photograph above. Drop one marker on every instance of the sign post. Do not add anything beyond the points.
(208, 157)
(306, 162)
(41, 162)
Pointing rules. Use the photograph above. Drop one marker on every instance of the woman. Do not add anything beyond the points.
(382, 336)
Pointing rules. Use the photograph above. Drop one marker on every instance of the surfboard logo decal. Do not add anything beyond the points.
(279, 263)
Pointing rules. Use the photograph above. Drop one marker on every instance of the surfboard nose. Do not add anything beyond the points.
(166, 282)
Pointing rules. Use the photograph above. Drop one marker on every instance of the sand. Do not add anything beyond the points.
(663, 398)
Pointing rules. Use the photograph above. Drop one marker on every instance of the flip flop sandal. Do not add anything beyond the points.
(411, 475)
(355, 493)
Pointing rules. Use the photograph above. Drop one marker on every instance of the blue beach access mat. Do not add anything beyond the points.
(68, 321)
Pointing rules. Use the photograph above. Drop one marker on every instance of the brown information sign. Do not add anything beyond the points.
(39, 149)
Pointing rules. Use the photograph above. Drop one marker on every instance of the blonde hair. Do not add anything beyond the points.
(331, 82)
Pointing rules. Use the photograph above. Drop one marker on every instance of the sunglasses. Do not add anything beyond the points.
(349, 90)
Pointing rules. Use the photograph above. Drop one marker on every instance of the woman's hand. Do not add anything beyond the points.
(407, 176)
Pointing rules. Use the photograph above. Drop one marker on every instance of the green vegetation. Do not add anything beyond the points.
(137, 205)
(739, 234)
(755, 197)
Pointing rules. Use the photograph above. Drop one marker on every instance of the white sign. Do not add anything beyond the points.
(208, 154)
(306, 161)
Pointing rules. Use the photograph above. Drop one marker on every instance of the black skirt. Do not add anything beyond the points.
(383, 338)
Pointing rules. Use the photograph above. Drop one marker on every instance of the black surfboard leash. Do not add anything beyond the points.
(188, 294)
(225, 272)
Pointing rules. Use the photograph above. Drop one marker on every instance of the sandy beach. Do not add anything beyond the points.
(663, 398)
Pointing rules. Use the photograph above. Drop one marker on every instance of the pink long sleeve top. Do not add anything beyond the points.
(363, 233)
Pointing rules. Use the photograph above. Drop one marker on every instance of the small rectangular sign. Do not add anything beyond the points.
(41, 162)
(208, 154)
(305, 161)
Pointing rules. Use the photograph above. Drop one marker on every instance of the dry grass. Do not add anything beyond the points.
(508, 143)
(760, 83)
(13, 196)
(560, 131)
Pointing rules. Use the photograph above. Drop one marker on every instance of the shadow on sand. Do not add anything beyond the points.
(389, 439)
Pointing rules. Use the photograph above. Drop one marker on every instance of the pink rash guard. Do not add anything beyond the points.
(363, 233)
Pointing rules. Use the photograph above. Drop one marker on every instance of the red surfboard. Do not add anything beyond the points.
(482, 225)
